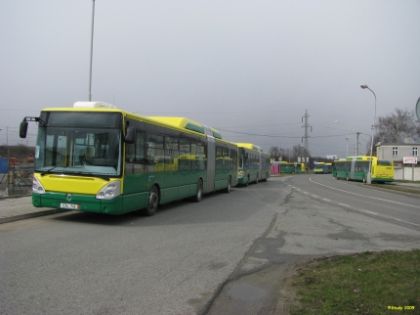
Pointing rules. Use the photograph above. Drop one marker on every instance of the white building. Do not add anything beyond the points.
(405, 158)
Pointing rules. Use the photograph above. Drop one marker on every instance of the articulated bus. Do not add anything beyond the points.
(291, 167)
(357, 168)
(322, 168)
(254, 165)
(94, 157)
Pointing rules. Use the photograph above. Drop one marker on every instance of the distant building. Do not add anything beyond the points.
(404, 156)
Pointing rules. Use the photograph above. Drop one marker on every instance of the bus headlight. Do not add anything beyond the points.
(241, 174)
(37, 187)
(109, 191)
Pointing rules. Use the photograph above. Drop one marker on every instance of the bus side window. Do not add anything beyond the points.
(129, 158)
(134, 156)
(184, 161)
(139, 155)
(171, 153)
(155, 152)
(201, 155)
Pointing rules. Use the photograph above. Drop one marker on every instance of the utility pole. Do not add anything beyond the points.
(306, 134)
(357, 142)
(8, 182)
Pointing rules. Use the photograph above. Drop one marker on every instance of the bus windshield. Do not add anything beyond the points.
(78, 150)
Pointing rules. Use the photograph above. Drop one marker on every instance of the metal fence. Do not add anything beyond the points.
(17, 181)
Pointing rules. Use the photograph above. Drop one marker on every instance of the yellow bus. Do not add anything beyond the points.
(94, 157)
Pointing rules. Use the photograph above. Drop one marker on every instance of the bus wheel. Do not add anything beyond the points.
(153, 202)
(229, 185)
(257, 179)
(347, 178)
(247, 181)
(364, 180)
(199, 193)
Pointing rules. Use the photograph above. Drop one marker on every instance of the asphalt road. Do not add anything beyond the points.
(229, 254)
(369, 200)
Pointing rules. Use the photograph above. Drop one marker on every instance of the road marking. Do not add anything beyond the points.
(363, 211)
(364, 196)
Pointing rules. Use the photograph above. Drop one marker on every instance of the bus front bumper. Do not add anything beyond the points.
(78, 202)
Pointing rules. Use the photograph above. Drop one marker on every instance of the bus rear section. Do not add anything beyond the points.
(383, 171)
(249, 162)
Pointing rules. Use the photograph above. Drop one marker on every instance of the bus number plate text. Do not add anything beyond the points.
(70, 206)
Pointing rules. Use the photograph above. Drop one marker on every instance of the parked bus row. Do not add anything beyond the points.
(283, 167)
(97, 158)
(357, 168)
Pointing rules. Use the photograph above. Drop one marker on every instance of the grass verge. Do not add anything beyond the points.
(367, 283)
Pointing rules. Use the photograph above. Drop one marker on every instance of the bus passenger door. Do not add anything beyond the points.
(211, 163)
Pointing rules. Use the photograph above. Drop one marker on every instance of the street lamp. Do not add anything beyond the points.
(369, 179)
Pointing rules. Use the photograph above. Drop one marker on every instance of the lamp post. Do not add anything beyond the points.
(91, 50)
(369, 179)
(347, 146)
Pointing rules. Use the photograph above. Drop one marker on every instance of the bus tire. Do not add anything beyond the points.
(247, 180)
(257, 179)
(199, 193)
(228, 188)
(153, 201)
(364, 180)
(347, 178)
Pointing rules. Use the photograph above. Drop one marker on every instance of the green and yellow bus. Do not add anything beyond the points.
(322, 168)
(254, 165)
(94, 157)
(357, 168)
(291, 167)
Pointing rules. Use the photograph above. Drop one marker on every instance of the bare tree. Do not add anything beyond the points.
(299, 151)
(399, 127)
(274, 153)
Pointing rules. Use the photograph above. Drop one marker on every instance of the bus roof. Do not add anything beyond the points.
(249, 146)
(178, 123)
(186, 123)
(182, 123)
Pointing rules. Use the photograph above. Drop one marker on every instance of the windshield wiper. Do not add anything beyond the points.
(48, 170)
(89, 174)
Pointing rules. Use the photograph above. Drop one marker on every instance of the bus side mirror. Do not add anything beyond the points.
(130, 135)
(23, 129)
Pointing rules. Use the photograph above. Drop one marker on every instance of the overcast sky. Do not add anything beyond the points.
(243, 66)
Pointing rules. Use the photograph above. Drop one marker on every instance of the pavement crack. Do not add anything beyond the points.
(238, 272)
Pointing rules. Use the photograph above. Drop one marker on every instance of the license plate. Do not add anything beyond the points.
(70, 206)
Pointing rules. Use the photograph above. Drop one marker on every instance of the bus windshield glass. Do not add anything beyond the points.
(65, 147)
